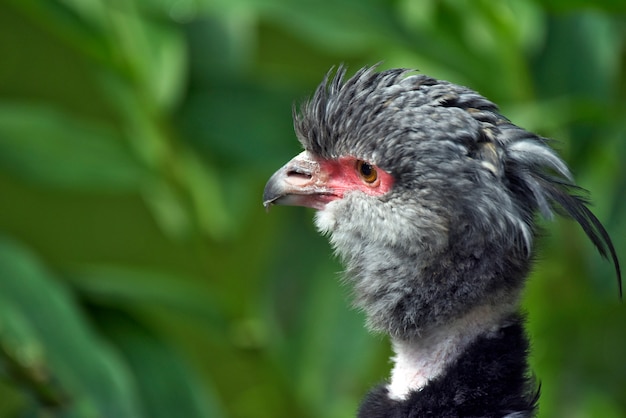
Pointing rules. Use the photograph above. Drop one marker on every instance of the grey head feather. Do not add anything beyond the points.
(456, 230)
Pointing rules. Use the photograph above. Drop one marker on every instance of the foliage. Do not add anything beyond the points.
(139, 274)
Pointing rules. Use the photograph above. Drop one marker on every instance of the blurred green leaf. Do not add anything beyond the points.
(205, 192)
(335, 352)
(347, 27)
(169, 211)
(52, 334)
(47, 146)
(612, 6)
(129, 288)
(153, 53)
(148, 52)
(233, 113)
(168, 385)
(22, 356)
(81, 23)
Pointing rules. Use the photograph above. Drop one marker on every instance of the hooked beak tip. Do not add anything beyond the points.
(267, 205)
(273, 191)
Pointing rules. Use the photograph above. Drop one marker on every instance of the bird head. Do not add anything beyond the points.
(428, 195)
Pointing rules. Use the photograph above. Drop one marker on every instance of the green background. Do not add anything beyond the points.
(140, 275)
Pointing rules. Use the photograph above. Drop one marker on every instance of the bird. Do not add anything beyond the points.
(429, 197)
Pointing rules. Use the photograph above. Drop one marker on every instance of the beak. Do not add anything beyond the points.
(300, 182)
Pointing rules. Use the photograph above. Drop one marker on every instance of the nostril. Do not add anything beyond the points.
(298, 176)
(299, 172)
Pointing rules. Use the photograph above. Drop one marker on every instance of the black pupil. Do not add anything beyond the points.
(366, 169)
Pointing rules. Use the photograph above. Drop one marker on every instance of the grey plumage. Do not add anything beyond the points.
(455, 232)
(468, 185)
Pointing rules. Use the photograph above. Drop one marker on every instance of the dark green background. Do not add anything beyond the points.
(140, 275)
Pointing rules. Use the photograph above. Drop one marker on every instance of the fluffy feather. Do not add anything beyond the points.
(468, 185)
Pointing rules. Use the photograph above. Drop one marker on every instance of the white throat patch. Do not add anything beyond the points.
(422, 359)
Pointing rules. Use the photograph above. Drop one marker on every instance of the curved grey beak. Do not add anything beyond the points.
(300, 182)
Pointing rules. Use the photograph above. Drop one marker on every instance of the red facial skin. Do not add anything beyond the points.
(314, 182)
(343, 176)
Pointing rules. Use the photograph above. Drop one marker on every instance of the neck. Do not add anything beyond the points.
(418, 360)
(487, 378)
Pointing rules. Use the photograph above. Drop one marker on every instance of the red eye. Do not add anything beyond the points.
(367, 172)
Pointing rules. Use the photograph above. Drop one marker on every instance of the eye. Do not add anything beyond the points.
(367, 172)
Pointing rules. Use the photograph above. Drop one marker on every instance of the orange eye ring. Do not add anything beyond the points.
(367, 171)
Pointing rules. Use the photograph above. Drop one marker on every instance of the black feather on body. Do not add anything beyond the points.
(452, 241)
(489, 380)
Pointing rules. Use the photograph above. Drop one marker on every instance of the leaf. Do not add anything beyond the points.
(43, 330)
(168, 386)
(240, 123)
(333, 359)
(153, 52)
(150, 52)
(168, 209)
(616, 6)
(127, 287)
(206, 194)
(23, 358)
(81, 24)
(47, 146)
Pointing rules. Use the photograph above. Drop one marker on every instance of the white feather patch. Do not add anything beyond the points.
(420, 360)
